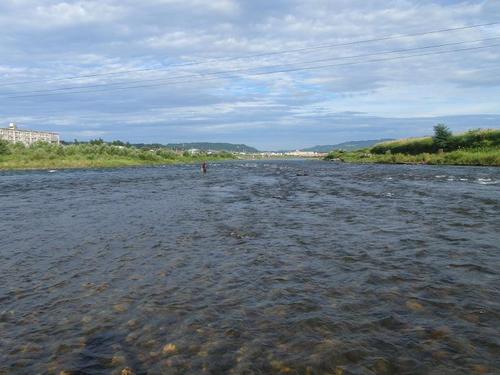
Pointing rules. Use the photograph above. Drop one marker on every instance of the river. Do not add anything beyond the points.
(269, 267)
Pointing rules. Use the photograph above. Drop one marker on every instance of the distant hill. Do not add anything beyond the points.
(347, 146)
(212, 146)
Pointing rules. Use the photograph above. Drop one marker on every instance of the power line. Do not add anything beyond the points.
(392, 37)
(87, 116)
(241, 70)
(264, 73)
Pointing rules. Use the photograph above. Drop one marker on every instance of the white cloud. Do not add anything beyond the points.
(222, 6)
(52, 39)
(56, 15)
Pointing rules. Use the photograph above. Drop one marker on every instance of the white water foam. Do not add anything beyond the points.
(487, 181)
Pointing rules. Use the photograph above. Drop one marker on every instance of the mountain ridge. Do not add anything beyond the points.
(347, 146)
(212, 146)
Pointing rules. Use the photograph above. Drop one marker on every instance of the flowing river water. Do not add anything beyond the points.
(270, 267)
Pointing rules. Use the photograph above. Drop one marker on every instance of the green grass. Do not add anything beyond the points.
(410, 146)
(475, 147)
(473, 139)
(462, 157)
(46, 156)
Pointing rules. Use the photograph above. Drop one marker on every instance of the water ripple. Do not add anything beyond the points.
(286, 267)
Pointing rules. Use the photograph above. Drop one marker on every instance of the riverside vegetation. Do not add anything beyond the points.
(95, 154)
(475, 147)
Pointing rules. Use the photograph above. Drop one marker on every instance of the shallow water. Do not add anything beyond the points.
(298, 267)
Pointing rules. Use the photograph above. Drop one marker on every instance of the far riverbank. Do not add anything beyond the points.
(473, 148)
(51, 156)
(489, 158)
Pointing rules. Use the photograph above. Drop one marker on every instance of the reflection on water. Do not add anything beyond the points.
(293, 267)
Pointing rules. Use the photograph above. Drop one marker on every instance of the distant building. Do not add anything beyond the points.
(306, 154)
(28, 137)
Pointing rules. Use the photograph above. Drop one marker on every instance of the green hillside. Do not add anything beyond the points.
(209, 146)
(475, 147)
(346, 146)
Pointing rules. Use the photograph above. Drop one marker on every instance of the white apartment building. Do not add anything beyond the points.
(28, 137)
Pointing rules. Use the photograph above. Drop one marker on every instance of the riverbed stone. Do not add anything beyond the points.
(414, 305)
(281, 367)
(132, 323)
(480, 369)
(118, 360)
(170, 348)
(121, 307)
(128, 371)
(440, 333)
(132, 336)
(383, 367)
(439, 355)
(102, 287)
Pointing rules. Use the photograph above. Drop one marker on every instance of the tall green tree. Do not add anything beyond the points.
(99, 141)
(442, 136)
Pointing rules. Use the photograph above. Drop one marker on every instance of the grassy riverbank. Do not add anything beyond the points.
(47, 156)
(475, 147)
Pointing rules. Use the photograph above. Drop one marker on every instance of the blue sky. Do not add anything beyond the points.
(152, 47)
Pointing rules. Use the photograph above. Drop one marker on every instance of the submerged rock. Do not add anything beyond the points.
(440, 333)
(170, 349)
(440, 355)
(480, 369)
(102, 287)
(132, 323)
(281, 367)
(120, 307)
(132, 336)
(127, 371)
(414, 305)
(383, 367)
(232, 333)
(118, 360)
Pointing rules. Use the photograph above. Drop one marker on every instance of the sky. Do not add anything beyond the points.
(273, 74)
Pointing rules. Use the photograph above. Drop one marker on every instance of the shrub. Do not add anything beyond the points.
(166, 154)
(477, 138)
(4, 147)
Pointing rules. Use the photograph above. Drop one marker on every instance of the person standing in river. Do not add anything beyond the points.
(204, 167)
